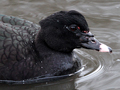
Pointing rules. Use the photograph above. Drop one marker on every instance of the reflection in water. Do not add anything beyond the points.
(101, 70)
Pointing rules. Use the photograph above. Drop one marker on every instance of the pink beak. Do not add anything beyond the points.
(105, 48)
(93, 43)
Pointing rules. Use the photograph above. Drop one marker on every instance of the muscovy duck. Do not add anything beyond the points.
(28, 50)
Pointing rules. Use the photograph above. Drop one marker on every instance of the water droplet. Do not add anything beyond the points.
(57, 20)
(41, 61)
(46, 82)
(23, 82)
(41, 67)
(32, 41)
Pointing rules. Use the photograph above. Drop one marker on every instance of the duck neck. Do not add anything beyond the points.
(45, 51)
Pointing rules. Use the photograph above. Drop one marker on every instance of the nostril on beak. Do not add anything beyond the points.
(93, 41)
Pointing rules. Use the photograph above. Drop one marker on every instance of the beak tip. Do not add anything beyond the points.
(110, 50)
(105, 48)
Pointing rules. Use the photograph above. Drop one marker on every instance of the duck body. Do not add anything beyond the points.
(28, 50)
(16, 43)
(19, 57)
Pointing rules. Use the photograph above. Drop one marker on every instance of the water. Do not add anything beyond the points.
(100, 70)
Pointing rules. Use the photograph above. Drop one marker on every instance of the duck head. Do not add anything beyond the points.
(66, 30)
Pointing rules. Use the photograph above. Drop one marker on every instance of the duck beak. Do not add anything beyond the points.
(88, 41)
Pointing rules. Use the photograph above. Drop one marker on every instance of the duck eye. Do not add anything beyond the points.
(74, 27)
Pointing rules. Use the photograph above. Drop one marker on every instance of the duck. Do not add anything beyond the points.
(29, 50)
